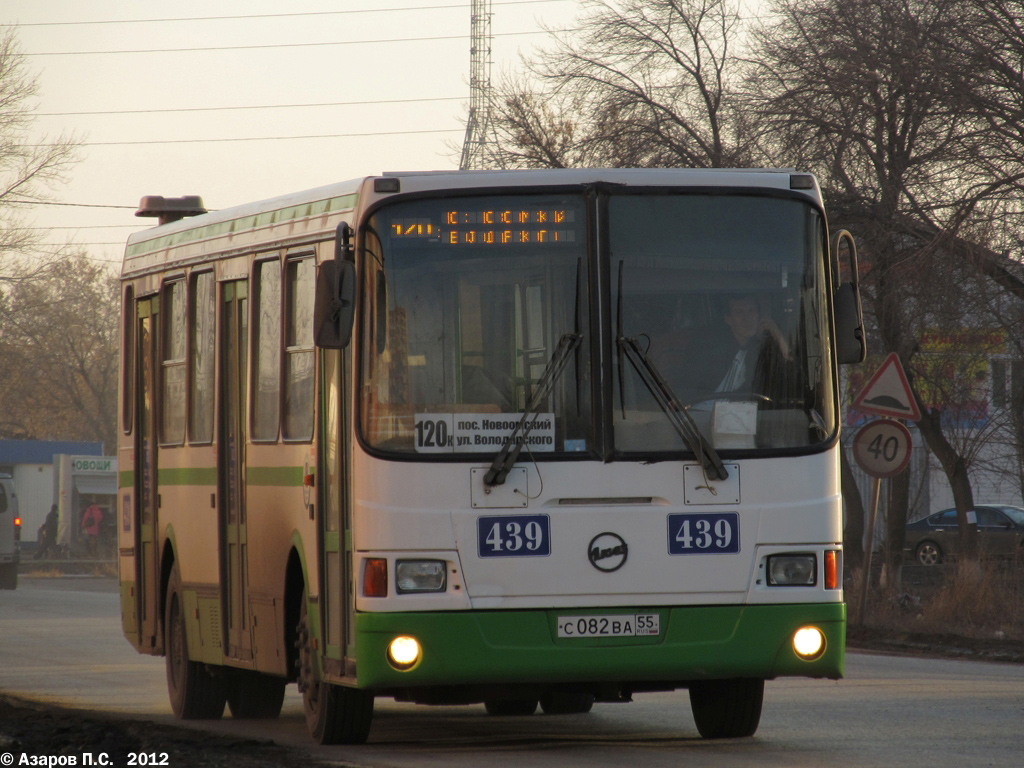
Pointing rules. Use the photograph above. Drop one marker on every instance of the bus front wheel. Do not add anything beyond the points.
(195, 694)
(334, 714)
(727, 709)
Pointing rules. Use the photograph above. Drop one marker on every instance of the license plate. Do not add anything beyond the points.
(626, 625)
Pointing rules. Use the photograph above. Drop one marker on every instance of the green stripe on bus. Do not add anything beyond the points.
(273, 476)
(260, 476)
(187, 476)
(235, 226)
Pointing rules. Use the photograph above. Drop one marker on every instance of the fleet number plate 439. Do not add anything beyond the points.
(628, 625)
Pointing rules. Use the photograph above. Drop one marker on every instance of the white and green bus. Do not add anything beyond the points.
(521, 438)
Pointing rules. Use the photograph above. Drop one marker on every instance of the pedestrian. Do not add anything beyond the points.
(91, 519)
(47, 535)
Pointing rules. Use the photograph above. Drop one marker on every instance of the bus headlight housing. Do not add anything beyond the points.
(420, 576)
(792, 570)
(809, 643)
(404, 653)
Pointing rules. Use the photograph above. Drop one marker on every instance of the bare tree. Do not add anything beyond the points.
(29, 167)
(58, 344)
(874, 95)
(642, 83)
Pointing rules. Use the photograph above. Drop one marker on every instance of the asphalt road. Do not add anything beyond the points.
(60, 642)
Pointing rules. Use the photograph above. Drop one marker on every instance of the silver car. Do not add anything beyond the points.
(936, 537)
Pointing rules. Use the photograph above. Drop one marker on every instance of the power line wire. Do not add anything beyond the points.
(273, 46)
(257, 138)
(251, 106)
(87, 226)
(461, 6)
(69, 205)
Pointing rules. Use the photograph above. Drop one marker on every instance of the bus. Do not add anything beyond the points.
(529, 439)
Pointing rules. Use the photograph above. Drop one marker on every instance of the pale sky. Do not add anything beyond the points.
(101, 57)
(416, 135)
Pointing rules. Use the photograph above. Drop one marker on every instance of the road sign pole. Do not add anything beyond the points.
(865, 580)
(882, 449)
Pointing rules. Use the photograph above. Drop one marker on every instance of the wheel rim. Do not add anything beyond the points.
(928, 554)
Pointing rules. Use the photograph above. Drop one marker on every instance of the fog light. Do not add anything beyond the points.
(404, 653)
(809, 643)
(793, 570)
(420, 575)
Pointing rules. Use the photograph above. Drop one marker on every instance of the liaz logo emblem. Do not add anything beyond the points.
(607, 552)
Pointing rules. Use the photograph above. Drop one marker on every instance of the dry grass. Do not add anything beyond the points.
(982, 601)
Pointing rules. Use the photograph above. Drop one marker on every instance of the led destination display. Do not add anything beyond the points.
(491, 226)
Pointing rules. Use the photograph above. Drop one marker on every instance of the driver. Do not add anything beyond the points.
(742, 359)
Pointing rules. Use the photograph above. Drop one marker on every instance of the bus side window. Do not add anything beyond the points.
(266, 413)
(203, 332)
(298, 361)
(172, 385)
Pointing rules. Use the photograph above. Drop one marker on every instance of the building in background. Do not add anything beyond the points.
(34, 466)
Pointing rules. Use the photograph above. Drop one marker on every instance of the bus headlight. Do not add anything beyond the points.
(420, 576)
(792, 570)
(404, 653)
(809, 643)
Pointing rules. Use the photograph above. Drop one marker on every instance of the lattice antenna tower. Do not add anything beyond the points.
(478, 123)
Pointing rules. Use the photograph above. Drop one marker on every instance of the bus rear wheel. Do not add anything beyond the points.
(727, 709)
(195, 694)
(334, 714)
(254, 696)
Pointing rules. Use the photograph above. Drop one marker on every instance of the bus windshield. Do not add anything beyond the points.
(717, 335)
(726, 298)
(468, 300)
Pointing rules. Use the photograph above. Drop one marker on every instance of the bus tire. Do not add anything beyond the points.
(254, 695)
(9, 576)
(511, 707)
(557, 703)
(195, 694)
(335, 714)
(727, 709)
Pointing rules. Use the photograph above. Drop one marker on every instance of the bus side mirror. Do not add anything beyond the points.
(334, 309)
(851, 345)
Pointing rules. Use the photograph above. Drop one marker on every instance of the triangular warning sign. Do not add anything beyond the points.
(887, 393)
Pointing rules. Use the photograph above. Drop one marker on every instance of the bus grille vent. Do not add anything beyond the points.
(604, 501)
(214, 627)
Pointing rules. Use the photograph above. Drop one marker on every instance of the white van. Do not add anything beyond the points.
(10, 534)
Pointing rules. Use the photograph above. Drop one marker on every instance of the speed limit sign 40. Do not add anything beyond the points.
(882, 448)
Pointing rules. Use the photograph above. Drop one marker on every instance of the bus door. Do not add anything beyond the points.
(234, 345)
(147, 565)
(333, 453)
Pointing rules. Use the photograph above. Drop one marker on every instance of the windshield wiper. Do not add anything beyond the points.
(510, 449)
(678, 417)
